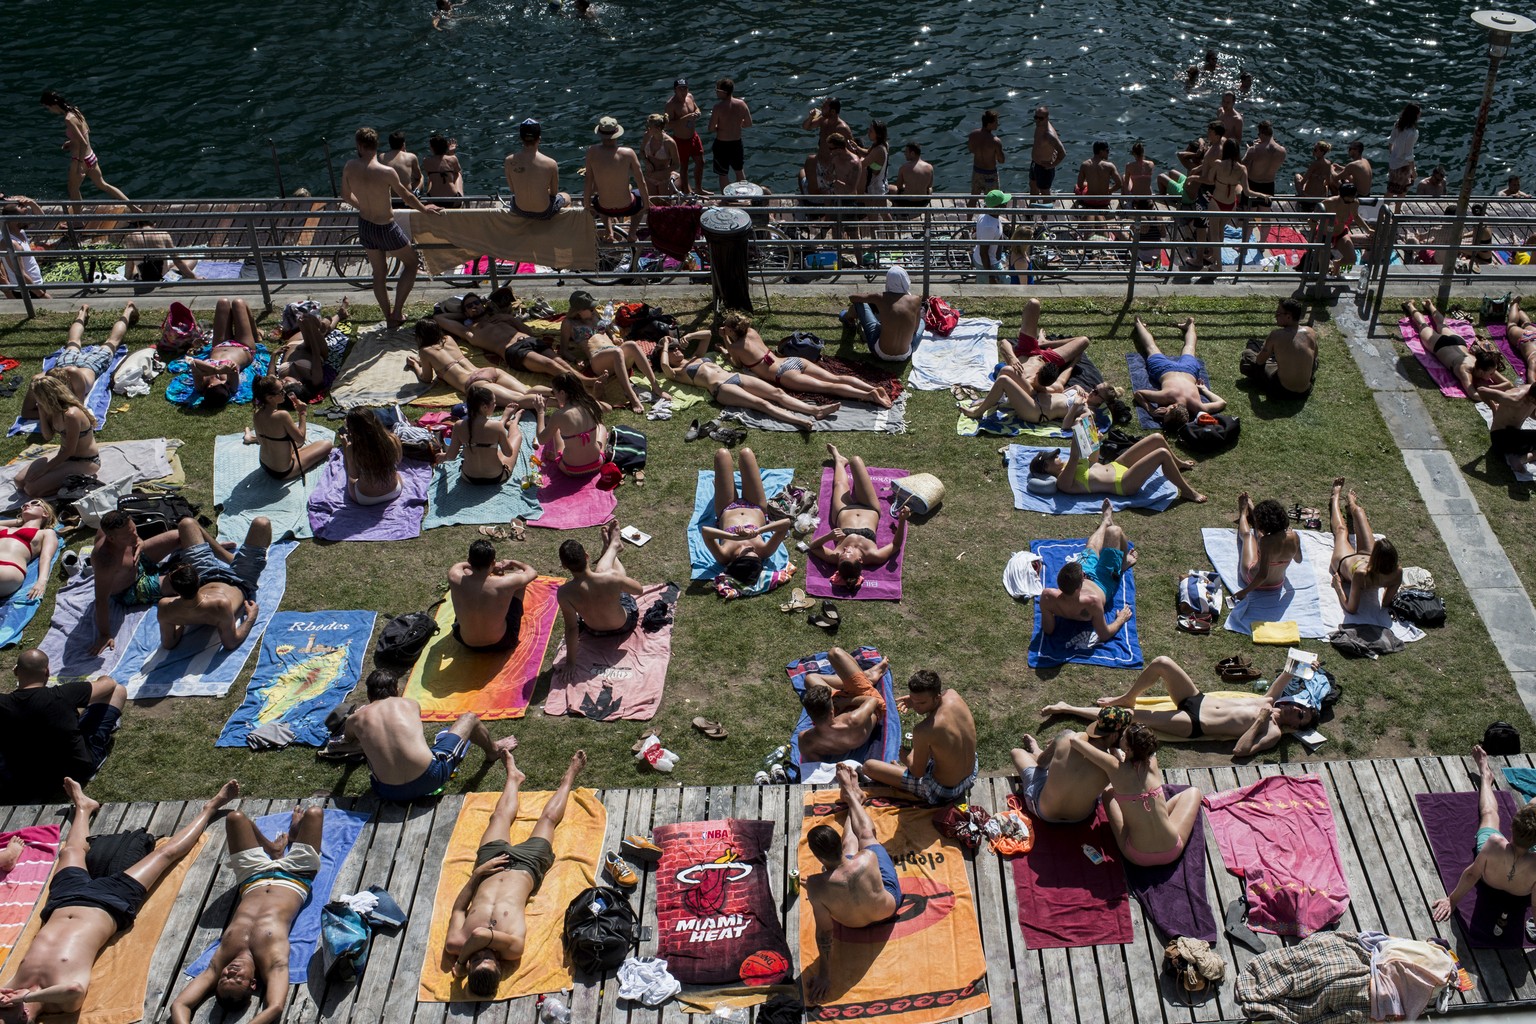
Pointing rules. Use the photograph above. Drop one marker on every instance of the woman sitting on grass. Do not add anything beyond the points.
(1149, 828)
(579, 335)
(1125, 476)
(570, 428)
(488, 445)
(1365, 566)
(285, 450)
(747, 351)
(217, 378)
(734, 389)
(440, 358)
(27, 537)
(744, 539)
(855, 519)
(371, 455)
(62, 418)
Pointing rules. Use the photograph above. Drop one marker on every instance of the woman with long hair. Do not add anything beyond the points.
(371, 455)
(1400, 164)
(741, 390)
(570, 428)
(30, 535)
(1149, 828)
(285, 452)
(739, 340)
(744, 539)
(217, 378)
(82, 158)
(486, 443)
(1363, 565)
(61, 417)
(855, 519)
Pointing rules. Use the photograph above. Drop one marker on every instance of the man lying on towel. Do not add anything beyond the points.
(1176, 395)
(1500, 864)
(83, 914)
(943, 745)
(253, 951)
(1086, 588)
(600, 599)
(127, 567)
(859, 886)
(487, 598)
(214, 586)
(1254, 724)
(1060, 785)
(487, 927)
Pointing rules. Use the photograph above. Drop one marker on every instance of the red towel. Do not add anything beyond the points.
(1064, 898)
(674, 229)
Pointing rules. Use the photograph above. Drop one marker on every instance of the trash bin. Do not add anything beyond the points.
(728, 230)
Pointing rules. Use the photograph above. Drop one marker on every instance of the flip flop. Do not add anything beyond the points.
(1236, 926)
(829, 612)
(647, 734)
(797, 602)
(713, 730)
(821, 623)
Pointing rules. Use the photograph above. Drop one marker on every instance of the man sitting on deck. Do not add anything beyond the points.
(213, 586)
(1087, 587)
(1284, 364)
(253, 951)
(1500, 864)
(1060, 785)
(487, 598)
(1176, 395)
(943, 745)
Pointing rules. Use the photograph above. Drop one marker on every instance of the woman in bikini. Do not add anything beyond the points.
(743, 391)
(877, 159)
(581, 339)
(82, 159)
(27, 537)
(445, 179)
(62, 418)
(217, 378)
(1230, 183)
(1150, 828)
(304, 335)
(570, 428)
(744, 539)
(371, 455)
(1474, 367)
(79, 364)
(661, 164)
(855, 519)
(1024, 358)
(1125, 476)
(284, 452)
(1366, 565)
(438, 357)
(1046, 403)
(488, 445)
(1521, 333)
(1266, 545)
(745, 348)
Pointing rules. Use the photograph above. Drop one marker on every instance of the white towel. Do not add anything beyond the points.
(966, 356)
(1021, 576)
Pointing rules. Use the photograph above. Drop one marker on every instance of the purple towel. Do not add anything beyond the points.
(1174, 896)
(880, 584)
(1450, 822)
(333, 516)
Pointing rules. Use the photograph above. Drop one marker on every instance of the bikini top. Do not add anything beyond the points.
(24, 534)
(481, 444)
(1146, 798)
(580, 333)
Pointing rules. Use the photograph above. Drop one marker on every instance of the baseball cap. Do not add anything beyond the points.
(529, 126)
(1111, 720)
(997, 197)
(683, 82)
(609, 127)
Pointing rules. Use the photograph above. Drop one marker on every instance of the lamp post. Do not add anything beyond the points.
(1502, 28)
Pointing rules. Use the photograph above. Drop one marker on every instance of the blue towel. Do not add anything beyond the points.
(1157, 493)
(1136, 366)
(309, 663)
(242, 490)
(337, 839)
(452, 502)
(19, 608)
(1299, 600)
(1075, 641)
(704, 565)
(1523, 780)
(884, 743)
(1253, 255)
(98, 400)
(180, 389)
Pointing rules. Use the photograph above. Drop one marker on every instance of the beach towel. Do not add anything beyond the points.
(1523, 475)
(1235, 252)
(120, 976)
(452, 501)
(1156, 494)
(1444, 379)
(1076, 641)
(924, 967)
(242, 490)
(336, 517)
(614, 678)
(22, 886)
(1278, 836)
(98, 400)
(577, 843)
(377, 376)
(566, 241)
(309, 662)
(1141, 380)
(1300, 600)
(1002, 422)
(199, 666)
(1175, 897)
(1499, 335)
(1450, 824)
(966, 356)
(717, 921)
(880, 584)
(72, 632)
(1523, 781)
(181, 391)
(851, 415)
(572, 502)
(704, 566)
(1283, 240)
(338, 836)
(448, 680)
(126, 462)
(884, 743)
(1066, 900)
(17, 611)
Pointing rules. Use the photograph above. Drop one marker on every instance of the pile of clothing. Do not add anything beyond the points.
(1335, 977)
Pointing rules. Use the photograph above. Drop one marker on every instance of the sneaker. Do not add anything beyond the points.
(761, 778)
(640, 850)
(619, 870)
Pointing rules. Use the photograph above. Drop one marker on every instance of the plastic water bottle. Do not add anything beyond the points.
(777, 756)
(552, 1010)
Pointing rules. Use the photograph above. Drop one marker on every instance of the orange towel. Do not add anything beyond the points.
(120, 979)
(930, 958)
(448, 680)
(578, 843)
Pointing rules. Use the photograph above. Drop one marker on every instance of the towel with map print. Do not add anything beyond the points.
(309, 662)
(716, 918)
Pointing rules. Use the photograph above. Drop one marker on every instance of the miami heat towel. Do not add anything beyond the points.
(716, 916)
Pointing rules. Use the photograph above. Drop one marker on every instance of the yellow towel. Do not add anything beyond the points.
(1165, 703)
(578, 843)
(1276, 633)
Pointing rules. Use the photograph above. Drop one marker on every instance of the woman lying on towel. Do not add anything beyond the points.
(284, 451)
(371, 455)
(1521, 333)
(743, 391)
(486, 444)
(1125, 476)
(1149, 828)
(855, 517)
(217, 378)
(1475, 367)
(302, 359)
(746, 350)
(29, 536)
(1366, 565)
(1044, 400)
(1025, 358)
(745, 538)
(80, 364)
(570, 428)
(581, 339)
(438, 357)
(62, 418)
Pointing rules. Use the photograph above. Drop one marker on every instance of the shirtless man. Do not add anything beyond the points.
(1060, 785)
(986, 154)
(83, 914)
(1230, 117)
(1266, 545)
(439, 358)
(1508, 436)
(600, 599)
(894, 316)
(610, 169)
(1358, 170)
(533, 177)
(214, 586)
(1176, 395)
(487, 927)
(1086, 588)
(402, 161)
(273, 886)
(149, 267)
(1432, 187)
(727, 120)
(914, 179)
(368, 185)
(1264, 158)
(943, 745)
(858, 887)
(1030, 353)
(834, 733)
(126, 568)
(682, 124)
(400, 764)
(1284, 364)
(487, 598)
(1045, 154)
(504, 335)
(827, 121)
(1254, 723)
(1500, 864)
(1098, 178)
(849, 681)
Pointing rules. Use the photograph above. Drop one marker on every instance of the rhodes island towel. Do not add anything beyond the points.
(1174, 896)
(567, 241)
(1156, 494)
(334, 516)
(1076, 641)
(97, 400)
(309, 662)
(704, 565)
(1450, 824)
(880, 584)
(1067, 900)
(242, 490)
(615, 678)
(927, 965)
(965, 356)
(21, 886)
(884, 743)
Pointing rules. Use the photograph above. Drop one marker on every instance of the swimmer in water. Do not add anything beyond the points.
(444, 10)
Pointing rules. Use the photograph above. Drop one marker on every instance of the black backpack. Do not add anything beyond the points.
(404, 637)
(1210, 437)
(600, 930)
(1501, 740)
(1419, 607)
(154, 514)
(803, 344)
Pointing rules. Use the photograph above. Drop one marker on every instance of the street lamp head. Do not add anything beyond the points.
(1502, 28)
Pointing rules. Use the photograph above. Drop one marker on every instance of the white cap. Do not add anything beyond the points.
(897, 281)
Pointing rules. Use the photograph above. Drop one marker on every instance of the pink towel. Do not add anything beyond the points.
(572, 502)
(1065, 899)
(1278, 836)
(1500, 338)
(1443, 378)
(21, 887)
(614, 677)
(882, 584)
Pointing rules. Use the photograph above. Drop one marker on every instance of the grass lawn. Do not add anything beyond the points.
(728, 659)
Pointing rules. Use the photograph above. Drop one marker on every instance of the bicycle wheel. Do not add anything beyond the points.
(614, 264)
(769, 256)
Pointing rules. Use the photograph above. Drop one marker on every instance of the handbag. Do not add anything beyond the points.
(920, 492)
(98, 501)
(343, 939)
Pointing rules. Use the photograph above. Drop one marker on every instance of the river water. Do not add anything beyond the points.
(183, 99)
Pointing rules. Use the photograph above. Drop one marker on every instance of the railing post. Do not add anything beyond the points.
(1130, 281)
(1381, 280)
(927, 249)
(330, 167)
(495, 278)
(13, 265)
(261, 266)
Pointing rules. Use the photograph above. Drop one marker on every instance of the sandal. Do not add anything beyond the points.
(639, 478)
(820, 622)
(829, 612)
(712, 730)
(645, 735)
(797, 602)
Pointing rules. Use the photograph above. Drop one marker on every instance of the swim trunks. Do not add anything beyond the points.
(1042, 177)
(691, 147)
(1191, 706)
(119, 895)
(534, 856)
(381, 237)
(95, 358)
(631, 618)
(1028, 345)
(1034, 784)
(911, 201)
(888, 880)
(294, 870)
(509, 638)
(557, 203)
(145, 588)
(627, 211)
(244, 572)
(1159, 364)
(1094, 204)
(1254, 202)
(1104, 568)
(1512, 440)
(931, 791)
(983, 181)
(448, 750)
(729, 156)
(519, 349)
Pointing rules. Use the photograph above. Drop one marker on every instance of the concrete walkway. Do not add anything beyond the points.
(1485, 571)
